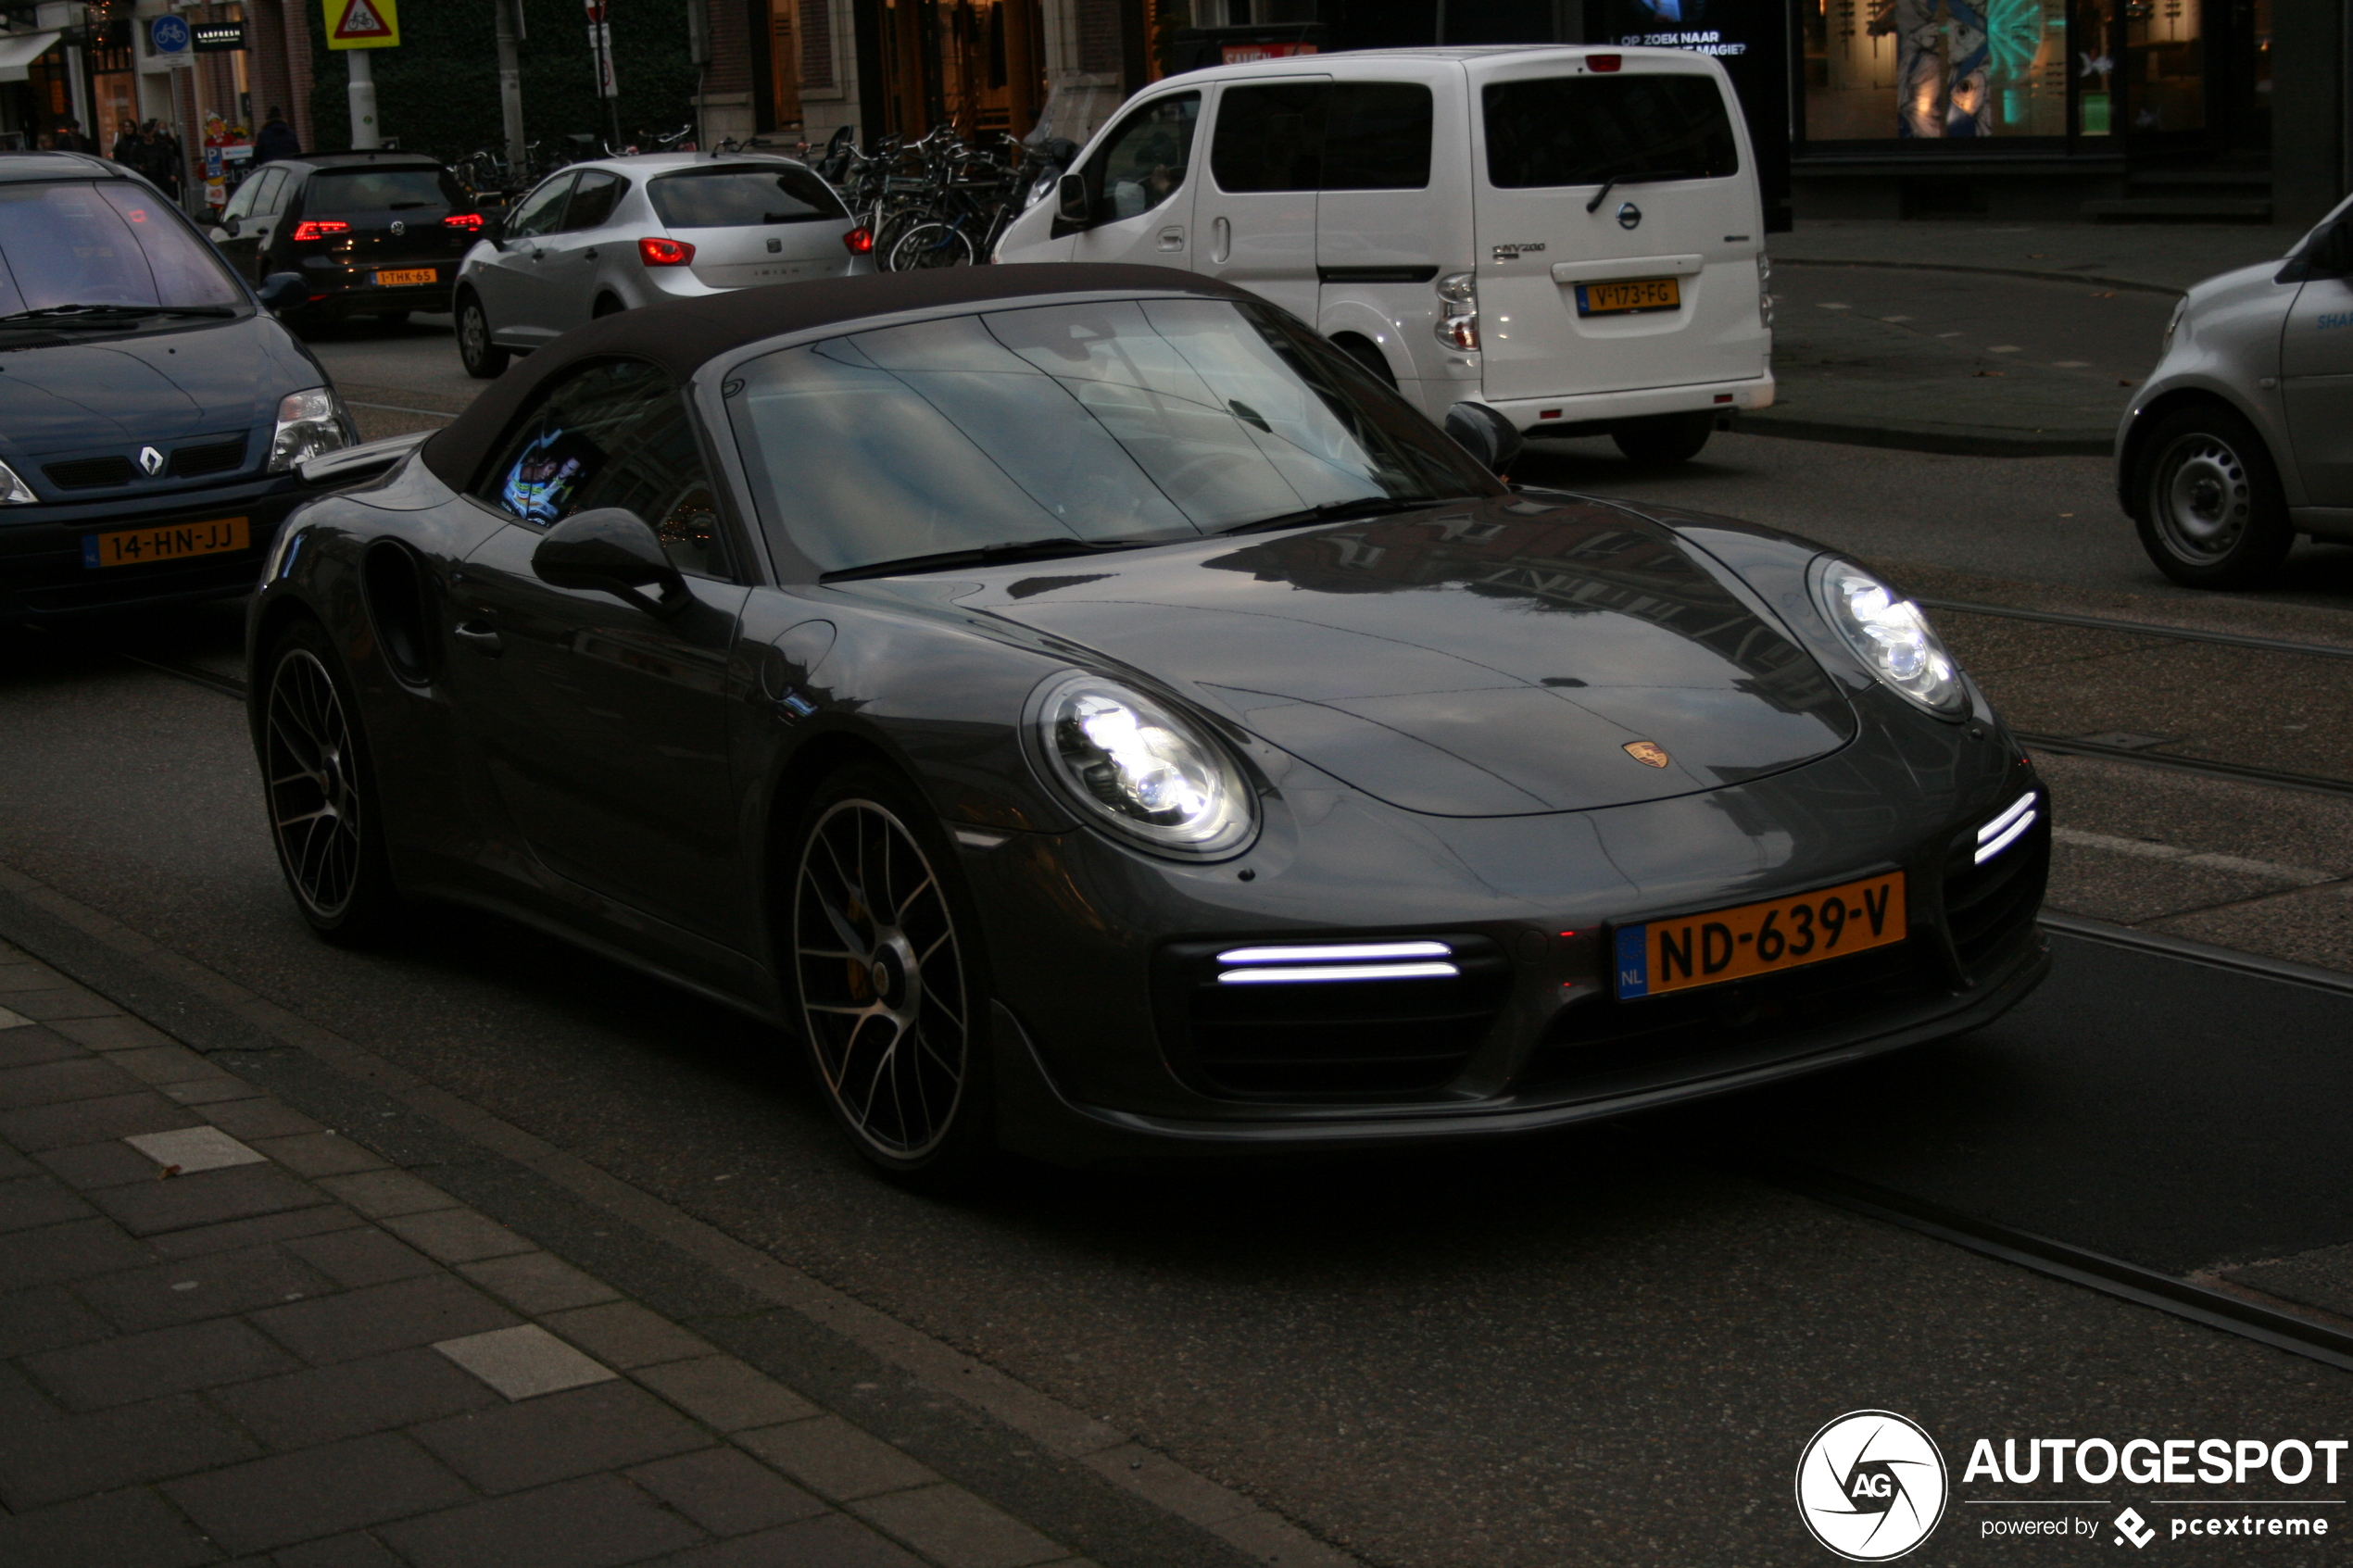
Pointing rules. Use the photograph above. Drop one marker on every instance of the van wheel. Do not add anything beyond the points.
(1368, 355)
(484, 359)
(1664, 438)
(2211, 515)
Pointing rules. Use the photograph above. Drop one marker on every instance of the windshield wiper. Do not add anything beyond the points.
(60, 314)
(986, 555)
(1334, 511)
(1640, 176)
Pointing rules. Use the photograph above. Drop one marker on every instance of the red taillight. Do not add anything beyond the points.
(1604, 62)
(319, 227)
(858, 242)
(462, 221)
(655, 251)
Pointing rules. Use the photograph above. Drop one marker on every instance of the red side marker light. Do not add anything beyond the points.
(319, 227)
(1604, 62)
(859, 241)
(469, 220)
(1549, 414)
(1568, 933)
(656, 251)
(1723, 397)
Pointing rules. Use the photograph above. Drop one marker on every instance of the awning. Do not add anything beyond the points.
(18, 50)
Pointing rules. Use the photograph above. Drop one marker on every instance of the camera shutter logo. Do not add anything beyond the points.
(1871, 1485)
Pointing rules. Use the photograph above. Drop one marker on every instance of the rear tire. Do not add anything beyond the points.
(1663, 439)
(1368, 355)
(888, 980)
(484, 359)
(319, 788)
(2211, 513)
(606, 306)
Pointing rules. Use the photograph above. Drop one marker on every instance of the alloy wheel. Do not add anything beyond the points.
(2202, 497)
(883, 993)
(315, 808)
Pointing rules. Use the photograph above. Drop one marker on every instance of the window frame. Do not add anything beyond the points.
(622, 186)
(569, 177)
(1091, 170)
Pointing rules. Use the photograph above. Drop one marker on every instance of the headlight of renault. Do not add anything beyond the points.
(14, 492)
(1135, 767)
(309, 423)
(1891, 636)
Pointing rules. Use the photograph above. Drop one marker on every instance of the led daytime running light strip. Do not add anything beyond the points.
(1354, 960)
(2005, 829)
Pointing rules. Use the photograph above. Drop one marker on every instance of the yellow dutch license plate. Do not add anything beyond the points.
(405, 276)
(173, 541)
(1753, 939)
(1624, 298)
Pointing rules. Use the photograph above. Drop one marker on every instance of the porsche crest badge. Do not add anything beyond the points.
(1648, 753)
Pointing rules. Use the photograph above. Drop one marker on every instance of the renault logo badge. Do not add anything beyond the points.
(398, 227)
(150, 460)
(1648, 753)
(1630, 215)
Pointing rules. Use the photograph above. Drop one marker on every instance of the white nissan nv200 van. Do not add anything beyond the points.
(1572, 235)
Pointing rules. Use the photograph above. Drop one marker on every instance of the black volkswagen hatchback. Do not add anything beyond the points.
(369, 234)
(151, 411)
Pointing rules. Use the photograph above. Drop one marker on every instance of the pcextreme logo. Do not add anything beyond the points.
(1871, 1485)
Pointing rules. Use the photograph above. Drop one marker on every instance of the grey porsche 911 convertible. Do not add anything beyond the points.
(1098, 719)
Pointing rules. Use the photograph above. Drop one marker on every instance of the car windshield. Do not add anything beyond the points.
(1103, 423)
(742, 198)
(379, 190)
(102, 243)
(1584, 130)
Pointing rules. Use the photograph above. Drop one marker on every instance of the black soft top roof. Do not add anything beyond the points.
(45, 165)
(681, 336)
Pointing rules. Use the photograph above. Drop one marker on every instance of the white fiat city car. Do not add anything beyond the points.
(2243, 436)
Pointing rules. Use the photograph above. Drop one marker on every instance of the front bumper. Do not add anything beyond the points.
(1111, 1042)
(42, 575)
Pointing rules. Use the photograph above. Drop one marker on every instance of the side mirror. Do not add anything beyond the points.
(2333, 257)
(282, 290)
(1071, 202)
(611, 550)
(494, 229)
(231, 224)
(1485, 433)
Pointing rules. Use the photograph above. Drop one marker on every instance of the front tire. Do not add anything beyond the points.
(1662, 440)
(319, 790)
(484, 359)
(888, 981)
(2211, 512)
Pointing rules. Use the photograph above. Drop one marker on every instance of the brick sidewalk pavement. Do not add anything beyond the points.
(227, 1331)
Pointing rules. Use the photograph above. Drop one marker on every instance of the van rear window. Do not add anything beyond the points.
(1584, 130)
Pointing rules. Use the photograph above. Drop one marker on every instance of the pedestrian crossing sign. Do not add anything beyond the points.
(362, 24)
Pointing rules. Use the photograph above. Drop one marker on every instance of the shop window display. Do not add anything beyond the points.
(1942, 69)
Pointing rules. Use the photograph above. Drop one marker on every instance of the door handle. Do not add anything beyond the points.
(1221, 241)
(1172, 238)
(588, 256)
(479, 635)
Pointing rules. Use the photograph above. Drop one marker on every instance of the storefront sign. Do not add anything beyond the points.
(1241, 53)
(214, 38)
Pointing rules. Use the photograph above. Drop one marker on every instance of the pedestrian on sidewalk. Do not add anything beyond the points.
(127, 149)
(275, 139)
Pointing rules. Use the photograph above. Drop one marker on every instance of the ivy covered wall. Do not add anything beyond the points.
(438, 91)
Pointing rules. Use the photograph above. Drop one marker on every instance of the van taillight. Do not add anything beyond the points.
(1604, 62)
(319, 227)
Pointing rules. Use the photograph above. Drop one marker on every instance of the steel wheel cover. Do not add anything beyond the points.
(2201, 498)
(473, 331)
(314, 791)
(882, 982)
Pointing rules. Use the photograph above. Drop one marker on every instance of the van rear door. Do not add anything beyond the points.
(1618, 225)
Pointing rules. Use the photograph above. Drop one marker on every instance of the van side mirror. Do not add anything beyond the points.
(1071, 202)
(280, 292)
(1486, 433)
(611, 550)
(231, 224)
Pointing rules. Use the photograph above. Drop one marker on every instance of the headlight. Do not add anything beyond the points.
(1138, 769)
(14, 492)
(309, 423)
(1892, 637)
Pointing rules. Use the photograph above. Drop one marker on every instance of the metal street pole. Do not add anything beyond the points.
(510, 87)
(363, 100)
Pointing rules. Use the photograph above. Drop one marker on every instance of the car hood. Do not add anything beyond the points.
(1483, 658)
(104, 390)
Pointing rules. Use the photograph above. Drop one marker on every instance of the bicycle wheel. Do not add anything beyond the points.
(931, 245)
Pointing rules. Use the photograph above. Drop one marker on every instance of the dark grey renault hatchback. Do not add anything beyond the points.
(152, 410)
(1099, 717)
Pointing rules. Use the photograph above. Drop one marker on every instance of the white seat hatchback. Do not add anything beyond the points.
(1572, 235)
(616, 233)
